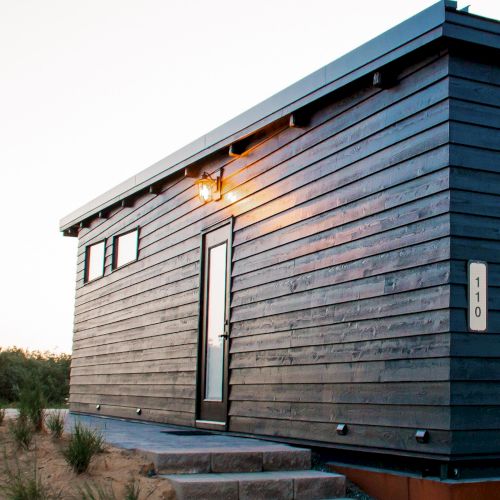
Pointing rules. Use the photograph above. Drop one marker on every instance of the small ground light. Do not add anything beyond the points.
(138, 411)
(97, 407)
(342, 429)
(422, 436)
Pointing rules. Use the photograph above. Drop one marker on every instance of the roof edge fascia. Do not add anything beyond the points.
(398, 41)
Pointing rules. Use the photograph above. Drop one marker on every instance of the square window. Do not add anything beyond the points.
(94, 261)
(125, 248)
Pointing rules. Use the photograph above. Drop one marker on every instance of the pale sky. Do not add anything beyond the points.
(93, 91)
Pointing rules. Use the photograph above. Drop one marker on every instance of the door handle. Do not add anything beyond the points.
(224, 336)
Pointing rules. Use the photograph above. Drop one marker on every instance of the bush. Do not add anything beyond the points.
(20, 486)
(83, 444)
(96, 492)
(19, 367)
(22, 432)
(55, 424)
(32, 405)
(132, 490)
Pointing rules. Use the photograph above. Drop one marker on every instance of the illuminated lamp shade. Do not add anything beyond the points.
(208, 188)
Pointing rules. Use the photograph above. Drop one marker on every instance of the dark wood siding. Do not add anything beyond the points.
(475, 224)
(341, 280)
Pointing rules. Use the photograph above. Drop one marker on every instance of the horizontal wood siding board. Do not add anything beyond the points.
(151, 366)
(341, 240)
(142, 402)
(181, 279)
(394, 438)
(131, 309)
(484, 440)
(166, 353)
(378, 393)
(472, 392)
(157, 390)
(426, 417)
(475, 158)
(154, 415)
(339, 206)
(426, 229)
(412, 154)
(400, 259)
(145, 377)
(428, 322)
(426, 346)
(120, 331)
(375, 286)
(424, 370)
(407, 302)
(150, 342)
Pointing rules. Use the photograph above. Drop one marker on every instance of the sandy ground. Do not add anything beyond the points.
(113, 468)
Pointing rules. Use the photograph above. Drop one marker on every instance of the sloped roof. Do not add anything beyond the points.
(440, 20)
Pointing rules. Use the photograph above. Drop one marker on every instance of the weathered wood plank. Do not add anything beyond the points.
(158, 365)
(376, 286)
(426, 417)
(358, 435)
(150, 378)
(425, 253)
(157, 390)
(425, 346)
(436, 226)
(148, 414)
(382, 393)
(407, 303)
(135, 343)
(133, 356)
(428, 322)
(424, 370)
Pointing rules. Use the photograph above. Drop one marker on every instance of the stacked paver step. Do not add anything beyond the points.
(243, 473)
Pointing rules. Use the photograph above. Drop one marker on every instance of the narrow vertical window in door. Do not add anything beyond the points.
(216, 309)
(214, 326)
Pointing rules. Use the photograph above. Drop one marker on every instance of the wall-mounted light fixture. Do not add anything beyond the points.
(209, 189)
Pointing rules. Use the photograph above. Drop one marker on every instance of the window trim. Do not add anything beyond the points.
(86, 262)
(115, 245)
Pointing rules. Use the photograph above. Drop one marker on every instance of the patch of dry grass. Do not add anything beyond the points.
(112, 470)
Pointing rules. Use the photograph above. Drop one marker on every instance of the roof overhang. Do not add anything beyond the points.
(438, 21)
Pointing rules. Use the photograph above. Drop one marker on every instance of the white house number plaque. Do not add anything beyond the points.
(478, 299)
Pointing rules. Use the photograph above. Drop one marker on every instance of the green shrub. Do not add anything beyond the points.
(55, 424)
(17, 367)
(21, 431)
(132, 490)
(91, 491)
(23, 486)
(32, 404)
(83, 444)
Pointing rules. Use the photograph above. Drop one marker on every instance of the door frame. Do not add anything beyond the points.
(209, 424)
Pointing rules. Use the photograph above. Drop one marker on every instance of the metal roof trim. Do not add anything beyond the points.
(406, 37)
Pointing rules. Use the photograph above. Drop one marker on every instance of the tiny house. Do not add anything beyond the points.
(323, 268)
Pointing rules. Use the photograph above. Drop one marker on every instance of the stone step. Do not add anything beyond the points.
(276, 485)
(229, 459)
